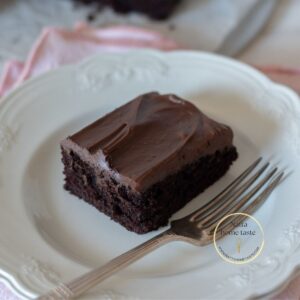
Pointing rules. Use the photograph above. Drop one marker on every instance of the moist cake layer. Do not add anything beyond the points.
(143, 212)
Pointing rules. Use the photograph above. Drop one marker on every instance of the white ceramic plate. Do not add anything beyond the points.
(48, 236)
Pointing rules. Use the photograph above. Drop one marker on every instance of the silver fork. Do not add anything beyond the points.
(245, 194)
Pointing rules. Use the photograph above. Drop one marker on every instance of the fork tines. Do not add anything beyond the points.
(244, 195)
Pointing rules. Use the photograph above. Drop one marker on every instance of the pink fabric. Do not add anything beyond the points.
(286, 76)
(57, 47)
(291, 293)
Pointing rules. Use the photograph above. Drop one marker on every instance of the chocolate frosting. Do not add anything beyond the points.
(149, 138)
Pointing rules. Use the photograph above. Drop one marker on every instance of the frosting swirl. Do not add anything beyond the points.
(151, 137)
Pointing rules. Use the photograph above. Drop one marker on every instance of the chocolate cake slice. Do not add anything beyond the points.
(155, 9)
(145, 160)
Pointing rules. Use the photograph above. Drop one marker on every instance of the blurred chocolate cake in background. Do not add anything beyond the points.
(155, 9)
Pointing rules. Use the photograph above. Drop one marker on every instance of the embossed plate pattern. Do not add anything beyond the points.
(48, 236)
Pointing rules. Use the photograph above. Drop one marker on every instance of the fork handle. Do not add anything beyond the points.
(89, 280)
